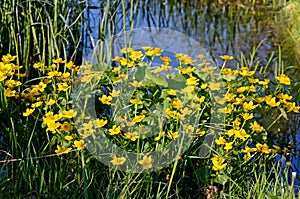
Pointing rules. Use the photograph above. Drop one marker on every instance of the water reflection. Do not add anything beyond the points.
(221, 28)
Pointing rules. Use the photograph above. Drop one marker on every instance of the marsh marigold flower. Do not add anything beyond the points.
(105, 99)
(272, 102)
(100, 123)
(131, 136)
(283, 79)
(118, 161)
(146, 162)
(218, 163)
(263, 148)
(248, 106)
(226, 57)
(70, 113)
(172, 135)
(114, 130)
(79, 145)
(28, 112)
(221, 140)
(228, 146)
(62, 150)
(256, 127)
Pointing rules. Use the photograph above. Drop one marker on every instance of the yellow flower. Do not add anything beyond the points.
(52, 126)
(171, 92)
(200, 133)
(53, 74)
(241, 134)
(100, 123)
(79, 145)
(272, 102)
(131, 136)
(118, 161)
(36, 105)
(231, 132)
(242, 89)
(105, 99)
(263, 148)
(114, 130)
(70, 113)
(49, 117)
(248, 151)
(28, 112)
(292, 107)
(192, 81)
(165, 59)
(115, 93)
(246, 73)
(146, 162)
(253, 80)
(203, 86)
(228, 146)
(283, 79)
(187, 70)
(160, 135)
(136, 55)
(10, 93)
(8, 58)
(70, 65)
(221, 140)
(214, 86)
(218, 163)
(50, 102)
(176, 103)
(63, 87)
(236, 123)
(172, 135)
(138, 118)
(247, 116)
(116, 70)
(62, 150)
(256, 127)
(284, 96)
(68, 137)
(186, 111)
(188, 89)
(260, 99)
(2, 76)
(265, 83)
(126, 50)
(58, 61)
(146, 48)
(135, 101)
(136, 84)
(66, 127)
(41, 87)
(12, 83)
(248, 106)
(226, 57)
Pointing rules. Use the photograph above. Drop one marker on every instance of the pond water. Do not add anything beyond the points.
(228, 28)
(225, 28)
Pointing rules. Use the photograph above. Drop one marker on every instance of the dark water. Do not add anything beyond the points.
(220, 29)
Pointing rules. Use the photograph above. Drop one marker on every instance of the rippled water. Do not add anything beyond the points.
(228, 28)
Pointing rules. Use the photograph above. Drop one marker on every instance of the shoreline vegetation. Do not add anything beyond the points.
(48, 138)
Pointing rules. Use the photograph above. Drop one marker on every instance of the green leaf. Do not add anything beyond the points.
(221, 179)
(203, 172)
(178, 82)
(140, 73)
(228, 78)
(157, 80)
